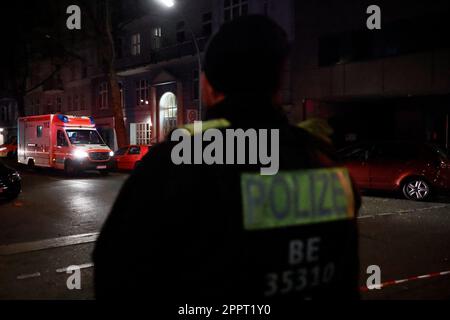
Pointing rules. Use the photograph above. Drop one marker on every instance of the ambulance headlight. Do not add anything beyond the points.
(111, 153)
(80, 154)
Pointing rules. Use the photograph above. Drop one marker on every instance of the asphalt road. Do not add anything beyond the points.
(55, 221)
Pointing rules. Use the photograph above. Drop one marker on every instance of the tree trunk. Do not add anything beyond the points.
(108, 51)
(116, 103)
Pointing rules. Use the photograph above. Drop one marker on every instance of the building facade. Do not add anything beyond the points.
(8, 120)
(392, 83)
(157, 67)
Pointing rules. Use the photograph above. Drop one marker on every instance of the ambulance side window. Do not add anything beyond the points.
(39, 131)
(61, 139)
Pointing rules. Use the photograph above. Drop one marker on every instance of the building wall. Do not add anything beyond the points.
(425, 72)
(171, 66)
(175, 61)
(8, 119)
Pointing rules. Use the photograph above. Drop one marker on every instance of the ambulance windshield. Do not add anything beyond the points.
(78, 137)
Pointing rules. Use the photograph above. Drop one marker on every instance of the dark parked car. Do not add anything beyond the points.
(418, 170)
(10, 185)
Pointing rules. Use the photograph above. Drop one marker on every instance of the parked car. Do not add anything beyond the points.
(9, 149)
(129, 157)
(417, 170)
(10, 185)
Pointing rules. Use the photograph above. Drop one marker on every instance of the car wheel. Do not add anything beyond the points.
(14, 193)
(416, 189)
(70, 169)
(31, 164)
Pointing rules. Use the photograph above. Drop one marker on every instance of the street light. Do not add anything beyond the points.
(170, 4)
(167, 3)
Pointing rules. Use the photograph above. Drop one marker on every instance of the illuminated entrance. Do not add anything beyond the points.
(167, 113)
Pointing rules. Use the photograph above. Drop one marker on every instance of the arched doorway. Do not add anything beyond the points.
(167, 113)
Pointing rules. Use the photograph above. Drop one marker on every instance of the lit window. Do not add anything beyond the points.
(157, 37)
(39, 130)
(142, 92)
(168, 112)
(136, 44)
(143, 133)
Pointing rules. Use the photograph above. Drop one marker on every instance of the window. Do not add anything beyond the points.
(358, 153)
(58, 104)
(143, 133)
(39, 130)
(136, 44)
(168, 112)
(82, 136)
(234, 9)
(181, 34)
(157, 38)
(396, 151)
(121, 151)
(134, 150)
(103, 96)
(142, 92)
(207, 24)
(61, 140)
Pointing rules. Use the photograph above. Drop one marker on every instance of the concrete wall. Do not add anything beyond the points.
(421, 73)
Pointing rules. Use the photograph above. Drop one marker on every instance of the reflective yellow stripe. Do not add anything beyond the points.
(318, 127)
(211, 124)
(294, 198)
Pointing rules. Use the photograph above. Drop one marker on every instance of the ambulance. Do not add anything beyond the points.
(63, 142)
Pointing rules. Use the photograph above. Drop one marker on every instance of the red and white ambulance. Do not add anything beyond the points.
(62, 142)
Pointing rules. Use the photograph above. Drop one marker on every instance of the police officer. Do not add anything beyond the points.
(181, 233)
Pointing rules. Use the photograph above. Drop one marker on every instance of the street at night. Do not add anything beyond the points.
(225, 158)
(404, 238)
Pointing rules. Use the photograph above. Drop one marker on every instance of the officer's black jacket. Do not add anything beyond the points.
(175, 232)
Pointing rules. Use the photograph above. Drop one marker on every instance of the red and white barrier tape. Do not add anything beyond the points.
(394, 282)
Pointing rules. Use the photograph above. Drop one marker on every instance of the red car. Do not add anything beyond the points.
(9, 150)
(418, 170)
(129, 157)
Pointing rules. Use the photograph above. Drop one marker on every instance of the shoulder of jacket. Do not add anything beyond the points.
(202, 126)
